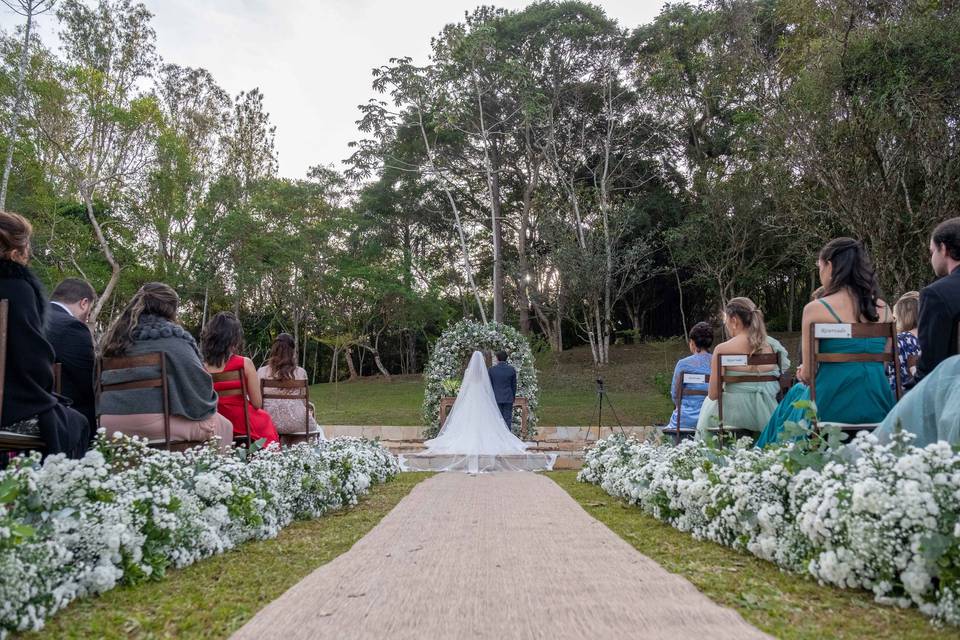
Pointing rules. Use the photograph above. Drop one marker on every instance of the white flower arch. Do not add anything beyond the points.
(454, 348)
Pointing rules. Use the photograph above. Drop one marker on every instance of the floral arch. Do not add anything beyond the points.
(454, 348)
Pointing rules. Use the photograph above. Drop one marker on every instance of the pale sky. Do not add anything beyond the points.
(311, 58)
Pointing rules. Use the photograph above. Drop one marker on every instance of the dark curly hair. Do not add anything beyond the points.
(702, 335)
(153, 298)
(222, 337)
(283, 357)
(853, 271)
(947, 234)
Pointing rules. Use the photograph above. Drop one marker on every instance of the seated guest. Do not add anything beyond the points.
(72, 342)
(288, 415)
(940, 302)
(931, 410)
(149, 324)
(905, 312)
(746, 405)
(701, 339)
(29, 404)
(222, 340)
(847, 392)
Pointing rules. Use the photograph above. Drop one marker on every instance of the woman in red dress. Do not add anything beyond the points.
(222, 339)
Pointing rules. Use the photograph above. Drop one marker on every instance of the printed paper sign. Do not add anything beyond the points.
(833, 331)
(694, 378)
(733, 361)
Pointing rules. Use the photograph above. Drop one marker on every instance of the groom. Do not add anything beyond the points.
(503, 379)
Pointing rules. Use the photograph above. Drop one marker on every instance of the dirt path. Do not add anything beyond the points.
(506, 555)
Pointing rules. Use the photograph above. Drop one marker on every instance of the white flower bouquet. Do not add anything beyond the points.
(885, 518)
(125, 512)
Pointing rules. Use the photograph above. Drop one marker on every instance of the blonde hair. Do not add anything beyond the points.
(752, 319)
(907, 311)
(15, 232)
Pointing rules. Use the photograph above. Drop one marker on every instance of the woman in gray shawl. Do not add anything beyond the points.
(149, 324)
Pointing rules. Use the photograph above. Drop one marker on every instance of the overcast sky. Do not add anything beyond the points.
(311, 58)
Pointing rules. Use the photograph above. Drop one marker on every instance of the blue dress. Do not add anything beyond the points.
(698, 363)
(847, 392)
(907, 345)
(932, 408)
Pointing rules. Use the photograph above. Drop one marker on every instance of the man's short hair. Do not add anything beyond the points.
(502, 356)
(947, 233)
(73, 290)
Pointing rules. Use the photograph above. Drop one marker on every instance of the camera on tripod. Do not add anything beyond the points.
(601, 396)
(600, 388)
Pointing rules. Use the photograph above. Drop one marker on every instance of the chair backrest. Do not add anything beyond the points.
(745, 360)
(159, 381)
(4, 318)
(230, 376)
(839, 331)
(292, 390)
(685, 379)
(57, 377)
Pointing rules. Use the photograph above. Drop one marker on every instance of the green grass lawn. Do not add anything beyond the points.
(636, 380)
(215, 597)
(785, 605)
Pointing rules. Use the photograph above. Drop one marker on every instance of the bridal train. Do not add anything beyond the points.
(474, 438)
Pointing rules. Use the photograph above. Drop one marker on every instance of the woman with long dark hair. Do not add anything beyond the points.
(747, 406)
(288, 415)
(222, 341)
(148, 324)
(29, 404)
(847, 392)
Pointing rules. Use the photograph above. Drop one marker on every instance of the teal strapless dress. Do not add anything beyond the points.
(849, 392)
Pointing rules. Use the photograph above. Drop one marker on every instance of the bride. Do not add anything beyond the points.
(474, 437)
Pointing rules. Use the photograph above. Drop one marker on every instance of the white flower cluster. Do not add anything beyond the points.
(125, 513)
(885, 518)
(453, 349)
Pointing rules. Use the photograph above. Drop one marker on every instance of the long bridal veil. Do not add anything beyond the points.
(474, 437)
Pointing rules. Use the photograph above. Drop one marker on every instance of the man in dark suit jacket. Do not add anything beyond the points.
(503, 379)
(940, 302)
(72, 342)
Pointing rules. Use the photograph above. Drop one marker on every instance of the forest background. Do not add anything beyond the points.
(585, 181)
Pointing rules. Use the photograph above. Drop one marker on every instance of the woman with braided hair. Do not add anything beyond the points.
(847, 392)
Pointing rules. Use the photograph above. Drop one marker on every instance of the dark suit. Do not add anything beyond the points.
(73, 348)
(503, 379)
(937, 328)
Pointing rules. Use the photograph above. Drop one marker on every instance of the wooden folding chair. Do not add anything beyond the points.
(524, 405)
(57, 376)
(834, 331)
(744, 360)
(686, 378)
(230, 376)
(293, 390)
(158, 381)
(9, 440)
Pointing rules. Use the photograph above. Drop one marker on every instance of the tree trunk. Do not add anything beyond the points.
(495, 213)
(379, 363)
(107, 253)
(411, 352)
(333, 363)
(17, 106)
(793, 300)
(348, 352)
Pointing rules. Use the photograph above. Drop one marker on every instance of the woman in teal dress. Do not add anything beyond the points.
(746, 405)
(847, 392)
(931, 410)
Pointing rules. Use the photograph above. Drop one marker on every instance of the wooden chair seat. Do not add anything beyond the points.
(177, 445)
(13, 441)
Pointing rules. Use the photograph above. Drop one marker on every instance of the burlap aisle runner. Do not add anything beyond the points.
(506, 555)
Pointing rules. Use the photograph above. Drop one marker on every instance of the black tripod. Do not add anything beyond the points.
(601, 396)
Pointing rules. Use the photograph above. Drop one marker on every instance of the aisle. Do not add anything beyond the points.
(506, 555)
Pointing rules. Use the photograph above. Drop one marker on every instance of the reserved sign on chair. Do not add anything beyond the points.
(733, 361)
(833, 331)
(694, 378)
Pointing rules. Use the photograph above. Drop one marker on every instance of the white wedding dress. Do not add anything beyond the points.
(474, 438)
